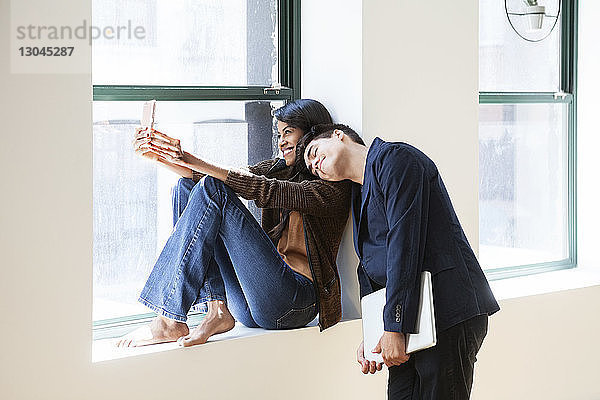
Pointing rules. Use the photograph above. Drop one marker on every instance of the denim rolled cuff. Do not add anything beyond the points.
(162, 311)
(200, 305)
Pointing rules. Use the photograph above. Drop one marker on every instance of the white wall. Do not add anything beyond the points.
(332, 74)
(332, 57)
(420, 77)
(46, 235)
(588, 131)
(542, 347)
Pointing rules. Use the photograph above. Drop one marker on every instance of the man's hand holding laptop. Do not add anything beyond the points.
(392, 347)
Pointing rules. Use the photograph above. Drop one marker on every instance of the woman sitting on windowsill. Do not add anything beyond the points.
(278, 276)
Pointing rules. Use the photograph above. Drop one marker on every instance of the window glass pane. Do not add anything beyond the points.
(185, 42)
(522, 184)
(132, 198)
(509, 63)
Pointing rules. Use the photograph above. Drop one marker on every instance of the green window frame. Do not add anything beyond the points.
(289, 71)
(568, 96)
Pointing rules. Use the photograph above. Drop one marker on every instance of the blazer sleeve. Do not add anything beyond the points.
(316, 197)
(405, 186)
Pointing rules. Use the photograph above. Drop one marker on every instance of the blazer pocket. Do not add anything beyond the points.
(442, 269)
(439, 262)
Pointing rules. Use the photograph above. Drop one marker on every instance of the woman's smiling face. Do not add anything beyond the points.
(287, 138)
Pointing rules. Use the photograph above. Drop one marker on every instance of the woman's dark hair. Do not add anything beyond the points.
(302, 114)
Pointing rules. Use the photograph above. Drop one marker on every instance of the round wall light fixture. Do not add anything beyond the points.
(531, 20)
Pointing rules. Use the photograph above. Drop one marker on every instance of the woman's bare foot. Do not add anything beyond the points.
(217, 320)
(160, 330)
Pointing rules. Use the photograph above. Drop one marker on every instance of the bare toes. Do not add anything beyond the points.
(192, 342)
(182, 339)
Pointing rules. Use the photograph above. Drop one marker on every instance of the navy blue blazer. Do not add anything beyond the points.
(404, 223)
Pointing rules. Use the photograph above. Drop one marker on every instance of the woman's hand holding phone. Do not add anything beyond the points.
(141, 145)
(166, 147)
(156, 146)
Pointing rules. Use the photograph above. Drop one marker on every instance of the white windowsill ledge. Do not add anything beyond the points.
(104, 350)
(547, 282)
(504, 289)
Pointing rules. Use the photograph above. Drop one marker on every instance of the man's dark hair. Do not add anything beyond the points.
(321, 131)
(326, 130)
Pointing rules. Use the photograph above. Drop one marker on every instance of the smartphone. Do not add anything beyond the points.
(148, 115)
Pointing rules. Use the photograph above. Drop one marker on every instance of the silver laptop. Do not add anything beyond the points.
(372, 319)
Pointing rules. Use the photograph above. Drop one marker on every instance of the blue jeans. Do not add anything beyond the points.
(218, 251)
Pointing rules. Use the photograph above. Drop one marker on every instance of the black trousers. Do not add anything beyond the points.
(443, 372)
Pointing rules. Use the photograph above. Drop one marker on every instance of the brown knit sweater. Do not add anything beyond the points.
(324, 207)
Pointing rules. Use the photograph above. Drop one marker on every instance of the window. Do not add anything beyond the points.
(527, 130)
(218, 69)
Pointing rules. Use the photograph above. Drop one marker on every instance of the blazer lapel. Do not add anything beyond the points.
(361, 198)
(356, 212)
(366, 189)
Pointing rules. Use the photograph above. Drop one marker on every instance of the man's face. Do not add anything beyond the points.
(322, 157)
